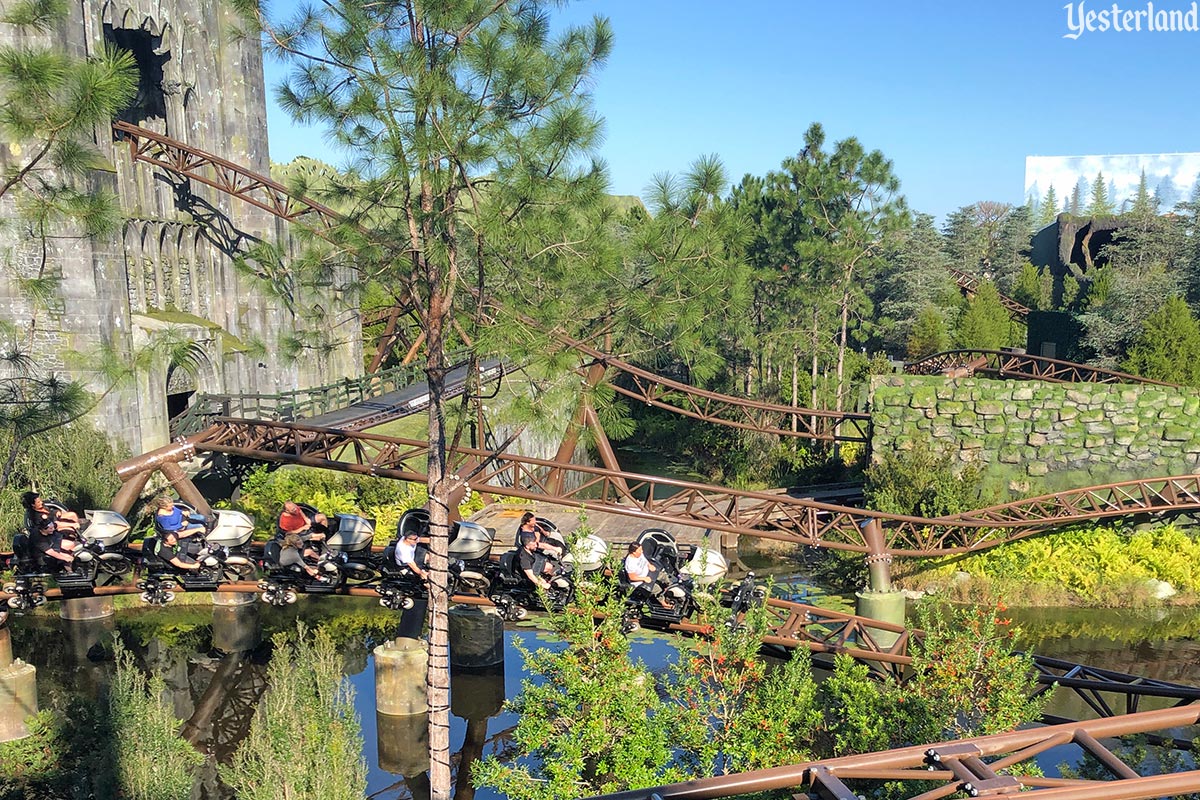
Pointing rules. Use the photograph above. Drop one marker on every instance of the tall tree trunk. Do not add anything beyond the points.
(841, 358)
(795, 391)
(815, 343)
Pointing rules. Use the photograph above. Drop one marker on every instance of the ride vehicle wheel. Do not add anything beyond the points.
(518, 612)
(407, 603)
(168, 597)
(289, 597)
(16, 603)
(234, 572)
(10, 587)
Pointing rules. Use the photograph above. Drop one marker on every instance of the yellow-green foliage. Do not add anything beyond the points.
(381, 499)
(1095, 565)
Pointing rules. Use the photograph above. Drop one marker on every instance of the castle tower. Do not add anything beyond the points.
(172, 263)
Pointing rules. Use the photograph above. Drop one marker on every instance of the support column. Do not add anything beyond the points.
(129, 492)
(881, 601)
(85, 608)
(476, 637)
(233, 599)
(400, 667)
(186, 490)
(18, 691)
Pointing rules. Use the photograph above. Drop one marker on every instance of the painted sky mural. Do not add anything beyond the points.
(1170, 177)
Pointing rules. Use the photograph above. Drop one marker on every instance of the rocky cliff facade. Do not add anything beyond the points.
(172, 265)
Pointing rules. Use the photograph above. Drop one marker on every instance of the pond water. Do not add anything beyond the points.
(214, 661)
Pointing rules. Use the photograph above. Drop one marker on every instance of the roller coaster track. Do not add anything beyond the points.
(1001, 364)
(769, 516)
(969, 284)
(984, 766)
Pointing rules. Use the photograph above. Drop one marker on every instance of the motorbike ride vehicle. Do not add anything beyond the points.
(220, 551)
(343, 559)
(99, 559)
(681, 570)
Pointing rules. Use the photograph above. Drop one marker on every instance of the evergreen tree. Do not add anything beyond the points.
(1075, 206)
(928, 334)
(1100, 204)
(985, 324)
(468, 128)
(1033, 287)
(1166, 194)
(1143, 203)
(915, 278)
(1168, 346)
(1048, 211)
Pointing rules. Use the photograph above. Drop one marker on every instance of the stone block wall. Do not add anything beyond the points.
(174, 254)
(1033, 437)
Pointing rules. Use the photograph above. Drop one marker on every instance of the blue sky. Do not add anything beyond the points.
(957, 94)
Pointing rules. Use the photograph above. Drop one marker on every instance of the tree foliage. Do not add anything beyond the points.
(985, 324)
(305, 740)
(1168, 346)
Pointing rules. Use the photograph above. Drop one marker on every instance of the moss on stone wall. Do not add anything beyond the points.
(1035, 438)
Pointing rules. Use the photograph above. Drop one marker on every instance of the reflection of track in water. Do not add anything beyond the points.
(226, 709)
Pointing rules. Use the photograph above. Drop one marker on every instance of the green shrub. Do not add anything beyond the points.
(305, 740)
(925, 481)
(1091, 565)
(152, 762)
(75, 464)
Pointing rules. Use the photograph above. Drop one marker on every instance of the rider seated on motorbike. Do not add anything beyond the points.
(170, 518)
(642, 574)
(173, 551)
(37, 514)
(533, 565)
(530, 526)
(406, 554)
(44, 524)
(291, 556)
(293, 520)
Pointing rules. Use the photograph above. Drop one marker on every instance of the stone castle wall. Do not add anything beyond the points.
(171, 265)
(1033, 437)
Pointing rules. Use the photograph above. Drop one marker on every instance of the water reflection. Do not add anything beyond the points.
(214, 661)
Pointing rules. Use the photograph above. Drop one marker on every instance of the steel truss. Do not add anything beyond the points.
(760, 514)
(969, 284)
(984, 766)
(1002, 364)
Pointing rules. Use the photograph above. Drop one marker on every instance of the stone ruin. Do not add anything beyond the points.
(172, 263)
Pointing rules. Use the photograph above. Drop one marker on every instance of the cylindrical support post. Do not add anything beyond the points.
(183, 485)
(18, 691)
(412, 621)
(236, 628)
(879, 561)
(477, 695)
(85, 608)
(885, 607)
(233, 599)
(129, 492)
(400, 667)
(476, 637)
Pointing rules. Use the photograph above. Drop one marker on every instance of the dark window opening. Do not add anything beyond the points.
(151, 100)
(178, 403)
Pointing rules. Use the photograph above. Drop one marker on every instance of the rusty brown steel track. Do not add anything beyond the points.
(769, 516)
(969, 284)
(1002, 364)
(170, 154)
(984, 766)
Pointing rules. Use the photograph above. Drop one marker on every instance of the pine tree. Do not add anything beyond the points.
(1100, 205)
(928, 334)
(1143, 204)
(1167, 347)
(1075, 205)
(985, 325)
(1048, 211)
(469, 129)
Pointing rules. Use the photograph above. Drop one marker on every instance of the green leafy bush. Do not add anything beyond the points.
(305, 740)
(925, 481)
(152, 762)
(1090, 565)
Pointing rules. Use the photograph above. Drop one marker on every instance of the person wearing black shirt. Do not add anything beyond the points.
(43, 523)
(171, 551)
(532, 564)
